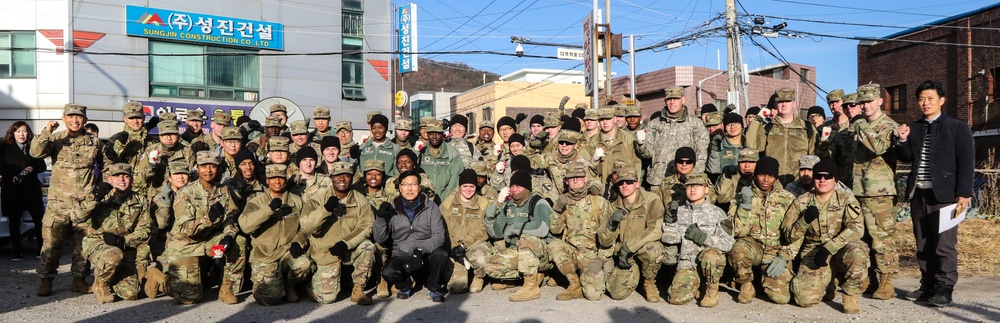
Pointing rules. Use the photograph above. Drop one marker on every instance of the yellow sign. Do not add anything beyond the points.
(630, 103)
(400, 99)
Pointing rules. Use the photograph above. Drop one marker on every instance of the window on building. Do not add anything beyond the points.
(804, 75)
(779, 73)
(17, 57)
(352, 46)
(471, 127)
(488, 114)
(233, 76)
(897, 98)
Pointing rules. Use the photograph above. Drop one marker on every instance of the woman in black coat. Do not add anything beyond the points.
(20, 189)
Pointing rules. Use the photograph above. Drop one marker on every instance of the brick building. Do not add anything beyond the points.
(962, 52)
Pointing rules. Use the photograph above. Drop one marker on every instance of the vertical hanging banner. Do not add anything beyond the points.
(589, 55)
(406, 17)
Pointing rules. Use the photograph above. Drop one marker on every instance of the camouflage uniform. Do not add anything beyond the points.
(640, 231)
(187, 137)
(487, 148)
(668, 133)
(555, 165)
(227, 165)
(784, 142)
(757, 229)
(259, 145)
(839, 229)
(128, 145)
(722, 154)
(402, 143)
(163, 219)
(620, 148)
(151, 173)
(842, 147)
(315, 135)
(526, 235)
(482, 170)
(345, 147)
(577, 249)
(307, 187)
(673, 194)
(466, 149)
(464, 220)
(299, 127)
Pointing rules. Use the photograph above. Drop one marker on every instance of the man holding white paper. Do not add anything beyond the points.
(943, 155)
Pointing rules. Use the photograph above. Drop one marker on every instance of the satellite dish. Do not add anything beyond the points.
(262, 109)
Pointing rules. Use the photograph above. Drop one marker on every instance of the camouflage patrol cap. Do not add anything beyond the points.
(278, 107)
(835, 95)
(619, 110)
(74, 109)
(168, 127)
(576, 169)
(344, 125)
(278, 143)
(178, 167)
(434, 126)
(713, 118)
(223, 118)
(168, 116)
(479, 167)
(698, 179)
(581, 106)
(340, 167)
(633, 111)
(374, 164)
(133, 110)
(851, 98)
(674, 92)
(626, 172)
(298, 127)
(424, 121)
(591, 114)
(275, 170)
(869, 92)
(749, 155)
(404, 124)
(207, 157)
(551, 122)
(272, 121)
(368, 117)
(195, 115)
(605, 113)
(119, 168)
(808, 161)
(569, 136)
(321, 112)
(784, 94)
(486, 124)
(231, 133)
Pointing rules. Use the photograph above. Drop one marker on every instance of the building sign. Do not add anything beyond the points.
(570, 53)
(590, 55)
(201, 28)
(155, 108)
(406, 18)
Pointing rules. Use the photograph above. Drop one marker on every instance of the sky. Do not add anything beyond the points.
(459, 25)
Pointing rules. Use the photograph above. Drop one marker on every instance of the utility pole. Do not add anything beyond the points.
(736, 91)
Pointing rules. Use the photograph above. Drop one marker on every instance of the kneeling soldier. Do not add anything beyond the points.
(272, 221)
(121, 224)
(463, 213)
(635, 235)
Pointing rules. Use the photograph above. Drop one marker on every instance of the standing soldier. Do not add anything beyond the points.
(119, 225)
(349, 149)
(232, 144)
(205, 225)
(713, 123)
(441, 161)
(307, 181)
(163, 220)
(127, 146)
(842, 142)
(194, 130)
(828, 130)
(568, 149)
(74, 156)
(401, 135)
(338, 223)
(577, 217)
(459, 126)
(734, 182)
(705, 234)
(611, 146)
(277, 153)
(827, 226)
(329, 150)
(875, 183)
(220, 120)
(724, 151)
(785, 138)
(300, 138)
(377, 147)
(321, 119)
(373, 188)
(279, 111)
(276, 260)
(485, 145)
(482, 173)
(634, 236)
(633, 119)
(152, 169)
(463, 213)
(591, 123)
(272, 128)
(757, 214)
(674, 128)
(672, 191)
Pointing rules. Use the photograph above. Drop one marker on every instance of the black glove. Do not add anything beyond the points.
(683, 178)
(216, 211)
(332, 203)
(520, 117)
(152, 123)
(810, 214)
(199, 146)
(415, 261)
(729, 171)
(101, 190)
(695, 234)
(616, 219)
(458, 254)
(339, 249)
(385, 211)
(275, 204)
(254, 125)
(227, 242)
(296, 250)
(821, 257)
(112, 239)
(623, 254)
(355, 152)
(671, 215)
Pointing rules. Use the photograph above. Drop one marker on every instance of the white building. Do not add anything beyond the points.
(190, 54)
(430, 104)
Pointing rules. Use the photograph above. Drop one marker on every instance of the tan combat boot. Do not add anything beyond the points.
(711, 296)
(155, 279)
(652, 293)
(851, 304)
(530, 289)
(747, 293)
(885, 290)
(358, 296)
(79, 285)
(291, 295)
(45, 288)
(382, 289)
(226, 292)
(500, 286)
(103, 292)
(476, 285)
(573, 291)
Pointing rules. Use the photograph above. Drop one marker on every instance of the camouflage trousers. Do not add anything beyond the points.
(622, 282)
(711, 263)
(57, 228)
(269, 277)
(150, 253)
(850, 265)
(529, 256)
(880, 225)
(571, 261)
(326, 278)
(184, 272)
(746, 254)
(476, 255)
(114, 267)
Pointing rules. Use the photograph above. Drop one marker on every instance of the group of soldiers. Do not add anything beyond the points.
(598, 200)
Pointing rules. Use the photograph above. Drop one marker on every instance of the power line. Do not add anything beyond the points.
(861, 9)
(875, 25)
(782, 59)
(463, 24)
(223, 54)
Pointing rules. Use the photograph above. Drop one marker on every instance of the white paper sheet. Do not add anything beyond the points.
(945, 221)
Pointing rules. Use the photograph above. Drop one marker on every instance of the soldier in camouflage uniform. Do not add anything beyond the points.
(277, 153)
(272, 128)
(806, 183)
(620, 116)
(300, 138)
(485, 145)
(674, 128)
(459, 126)
(591, 123)
(875, 183)
(378, 148)
(373, 188)
(757, 216)
(307, 181)
(74, 156)
(321, 119)
(163, 220)
(232, 144)
(205, 225)
(152, 169)
(567, 150)
(277, 261)
(119, 225)
(672, 190)
(280, 111)
(822, 224)
(406, 160)
(401, 135)
(220, 120)
(349, 150)
(634, 236)
(612, 145)
(713, 123)
(705, 235)
(463, 213)
(482, 174)
(440, 161)
(633, 119)
(338, 223)
(577, 217)
(127, 146)
(736, 181)
(541, 182)
(842, 145)
(522, 222)
(785, 138)
(840, 120)
(724, 150)
(194, 128)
